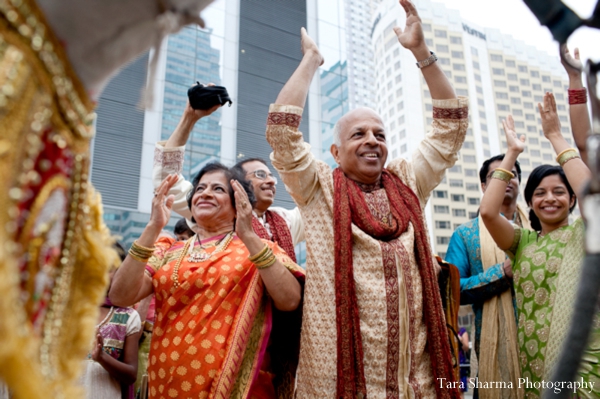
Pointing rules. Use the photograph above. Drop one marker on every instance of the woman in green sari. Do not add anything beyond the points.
(547, 259)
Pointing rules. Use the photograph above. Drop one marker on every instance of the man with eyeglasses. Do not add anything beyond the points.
(277, 224)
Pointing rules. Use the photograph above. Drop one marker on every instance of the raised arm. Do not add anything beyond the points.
(131, 284)
(296, 88)
(412, 38)
(499, 227)
(291, 155)
(186, 124)
(578, 110)
(575, 169)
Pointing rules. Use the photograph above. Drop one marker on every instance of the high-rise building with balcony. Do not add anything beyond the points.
(499, 75)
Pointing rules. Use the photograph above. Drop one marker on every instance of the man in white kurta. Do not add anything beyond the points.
(390, 295)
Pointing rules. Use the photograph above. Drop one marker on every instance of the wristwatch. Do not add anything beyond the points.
(427, 61)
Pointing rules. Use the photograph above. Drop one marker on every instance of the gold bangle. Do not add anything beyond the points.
(141, 250)
(143, 255)
(563, 152)
(138, 258)
(502, 175)
(259, 255)
(508, 172)
(266, 259)
(566, 155)
(271, 261)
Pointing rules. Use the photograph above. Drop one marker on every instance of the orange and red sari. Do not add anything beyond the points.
(213, 332)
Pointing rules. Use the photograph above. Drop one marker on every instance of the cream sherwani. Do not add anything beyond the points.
(394, 342)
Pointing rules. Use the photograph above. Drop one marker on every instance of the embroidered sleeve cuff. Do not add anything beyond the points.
(456, 108)
(168, 160)
(160, 146)
(284, 115)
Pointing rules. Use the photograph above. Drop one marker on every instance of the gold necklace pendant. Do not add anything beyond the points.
(197, 257)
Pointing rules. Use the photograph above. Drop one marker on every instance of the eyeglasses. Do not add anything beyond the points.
(262, 175)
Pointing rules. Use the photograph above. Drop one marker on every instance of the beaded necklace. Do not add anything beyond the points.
(199, 257)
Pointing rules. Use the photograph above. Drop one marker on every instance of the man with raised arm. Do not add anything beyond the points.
(277, 224)
(372, 323)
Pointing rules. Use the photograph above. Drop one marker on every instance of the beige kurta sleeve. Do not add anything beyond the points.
(170, 161)
(439, 149)
(291, 156)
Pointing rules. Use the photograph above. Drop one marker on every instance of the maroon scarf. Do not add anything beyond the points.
(350, 207)
(279, 230)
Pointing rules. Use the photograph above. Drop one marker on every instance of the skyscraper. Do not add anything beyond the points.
(499, 74)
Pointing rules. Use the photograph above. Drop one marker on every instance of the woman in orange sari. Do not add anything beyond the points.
(214, 296)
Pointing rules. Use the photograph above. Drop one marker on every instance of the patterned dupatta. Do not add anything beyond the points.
(350, 207)
(279, 230)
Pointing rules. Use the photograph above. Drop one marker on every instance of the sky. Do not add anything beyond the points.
(514, 18)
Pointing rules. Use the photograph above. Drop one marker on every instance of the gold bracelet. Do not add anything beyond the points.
(566, 155)
(271, 261)
(508, 172)
(134, 256)
(502, 175)
(563, 151)
(138, 254)
(259, 255)
(265, 259)
(141, 250)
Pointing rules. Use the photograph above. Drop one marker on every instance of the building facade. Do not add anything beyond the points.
(499, 75)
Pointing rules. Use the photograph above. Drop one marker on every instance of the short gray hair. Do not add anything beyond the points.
(337, 128)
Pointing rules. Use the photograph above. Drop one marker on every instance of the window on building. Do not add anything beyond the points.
(535, 153)
(557, 83)
(468, 145)
(396, 52)
(522, 68)
(429, 42)
(399, 94)
(443, 224)
(395, 154)
(441, 48)
(455, 40)
(476, 65)
(533, 140)
(480, 102)
(510, 63)
(474, 51)
(455, 169)
(500, 83)
(515, 100)
(519, 124)
(482, 114)
(561, 107)
(496, 57)
(448, 74)
(513, 89)
(472, 186)
(559, 96)
(472, 215)
(441, 209)
(440, 33)
(536, 86)
(460, 79)
(526, 93)
(458, 198)
(545, 78)
(440, 194)
(503, 107)
(458, 67)
(470, 172)
(402, 134)
(524, 82)
(462, 92)
(517, 112)
(426, 27)
(444, 60)
(501, 96)
(528, 105)
(455, 183)
(538, 99)
(459, 212)
(483, 127)
(524, 161)
(473, 201)
(485, 140)
(529, 117)
(442, 240)
(547, 157)
(498, 71)
(478, 77)
(535, 74)
(403, 148)
(469, 158)
(457, 54)
(511, 76)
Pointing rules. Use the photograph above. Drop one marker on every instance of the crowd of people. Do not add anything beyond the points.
(223, 309)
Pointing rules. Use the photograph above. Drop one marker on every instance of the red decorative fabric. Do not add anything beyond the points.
(450, 113)
(284, 118)
(577, 96)
(350, 207)
(279, 230)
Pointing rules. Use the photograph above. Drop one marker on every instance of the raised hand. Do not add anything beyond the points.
(309, 47)
(549, 116)
(412, 36)
(243, 219)
(161, 203)
(515, 144)
(572, 64)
